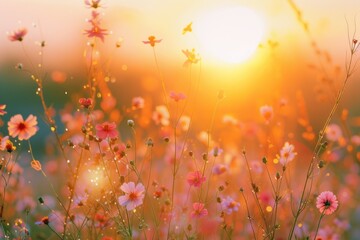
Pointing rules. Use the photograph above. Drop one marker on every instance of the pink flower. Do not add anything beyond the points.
(177, 96)
(106, 130)
(333, 132)
(96, 31)
(137, 103)
(2, 111)
(43, 221)
(120, 150)
(161, 116)
(287, 153)
(134, 195)
(54, 220)
(228, 205)
(199, 210)
(327, 203)
(152, 41)
(195, 179)
(267, 113)
(18, 35)
(22, 129)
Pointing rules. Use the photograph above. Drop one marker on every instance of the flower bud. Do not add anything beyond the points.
(130, 123)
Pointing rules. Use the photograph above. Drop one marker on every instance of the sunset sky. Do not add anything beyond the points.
(62, 23)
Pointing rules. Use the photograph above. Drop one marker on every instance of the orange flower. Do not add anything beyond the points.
(35, 164)
(22, 129)
(192, 57)
(152, 41)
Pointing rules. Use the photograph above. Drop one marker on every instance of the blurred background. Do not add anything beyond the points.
(284, 62)
(299, 58)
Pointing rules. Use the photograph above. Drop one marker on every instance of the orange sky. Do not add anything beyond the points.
(62, 23)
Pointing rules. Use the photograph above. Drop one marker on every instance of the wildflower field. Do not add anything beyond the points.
(179, 119)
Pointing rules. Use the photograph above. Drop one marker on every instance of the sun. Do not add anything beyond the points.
(229, 34)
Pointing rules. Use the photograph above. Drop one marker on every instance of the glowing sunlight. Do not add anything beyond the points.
(230, 34)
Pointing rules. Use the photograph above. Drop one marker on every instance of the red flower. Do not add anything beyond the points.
(86, 102)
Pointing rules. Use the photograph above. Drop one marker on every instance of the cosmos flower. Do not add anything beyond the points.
(228, 205)
(199, 210)
(287, 153)
(133, 197)
(191, 57)
(96, 31)
(106, 130)
(152, 41)
(195, 178)
(184, 122)
(17, 35)
(92, 3)
(327, 203)
(24, 130)
(137, 103)
(177, 96)
(333, 132)
(161, 115)
(43, 221)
